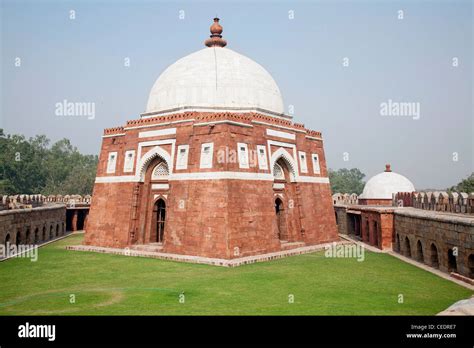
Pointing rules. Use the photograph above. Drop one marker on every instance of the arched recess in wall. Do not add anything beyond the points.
(452, 261)
(280, 214)
(159, 220)
(7, 239)
(160, 171)
(434, 256)
(282, 155)
(18, 237)
(470, 265)
(407, 247)
(156, 152)
(419, 251)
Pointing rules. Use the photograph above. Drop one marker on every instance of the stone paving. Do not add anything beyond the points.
(205, 260)
(463, 307)
(359, 242)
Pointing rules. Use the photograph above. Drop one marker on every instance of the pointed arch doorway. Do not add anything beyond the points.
(280, 219)
(284, 189)
(152, 196)
(159, 215)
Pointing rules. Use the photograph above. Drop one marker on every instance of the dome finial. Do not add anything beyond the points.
(216, 39)
(387, 168)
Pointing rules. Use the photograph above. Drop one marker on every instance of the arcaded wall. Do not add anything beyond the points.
(32, 226)
(444, 241)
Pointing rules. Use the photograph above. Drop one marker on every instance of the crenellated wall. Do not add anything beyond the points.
(23, 201)
(444, 241)
(453, 202)
(441, 239)
(76, 207)
(32, 225)
(345, 198)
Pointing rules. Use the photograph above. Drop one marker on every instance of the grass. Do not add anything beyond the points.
(120, 285)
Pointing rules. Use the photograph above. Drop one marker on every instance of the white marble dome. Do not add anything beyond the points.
(215, 78)
(383, 185)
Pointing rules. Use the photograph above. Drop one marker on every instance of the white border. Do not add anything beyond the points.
(186, 155)
(262, 161)
(244, 153)
(280, 134)
(313, 156)
(303, 161)
(109, 170)
(160, 186)
(157, 133)
(212, 176)
(132, 161)
(208, 165)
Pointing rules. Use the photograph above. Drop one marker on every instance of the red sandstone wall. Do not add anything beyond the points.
(386, 223)
(220, 218)
(317, 213)
(252, 220)
(202, 226)
(363, 201)
(384, 231)
(109, 215)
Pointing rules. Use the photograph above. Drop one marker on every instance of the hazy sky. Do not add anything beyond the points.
(403, 60)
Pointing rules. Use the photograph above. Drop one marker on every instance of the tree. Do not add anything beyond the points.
(466, 185)
(347, 180)
(29, 166)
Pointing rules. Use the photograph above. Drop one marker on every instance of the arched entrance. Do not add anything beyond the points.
(153, 194)
(419, 251)
(280, 219)
(434, 256)
(452, 263)
(284, 188)
(37, 238)
(407, 247)
(27, 236)
(159, 214)
(7, 240)
(376, 234)
(18, 237)
(470, 265)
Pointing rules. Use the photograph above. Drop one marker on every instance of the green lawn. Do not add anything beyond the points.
(121, 285)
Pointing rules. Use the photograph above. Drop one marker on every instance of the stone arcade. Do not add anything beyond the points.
(162, 183)
(433, 228)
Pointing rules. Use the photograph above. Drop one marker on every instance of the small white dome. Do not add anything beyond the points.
(218, 78)
(383, 185)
